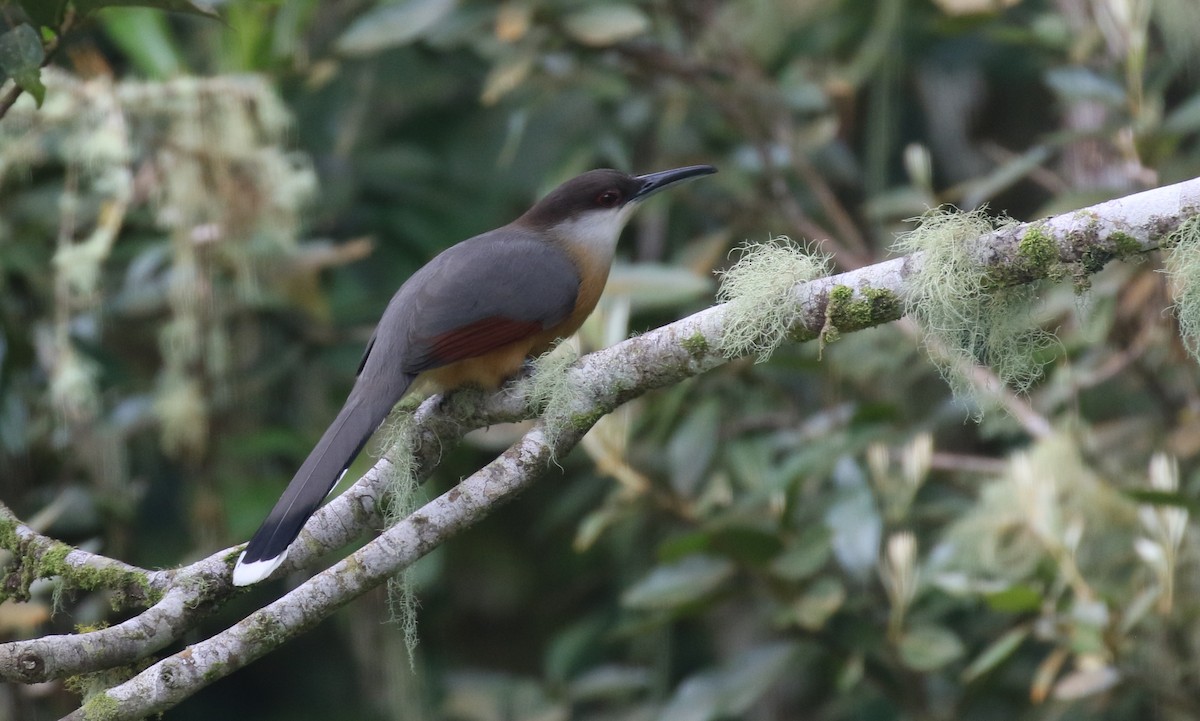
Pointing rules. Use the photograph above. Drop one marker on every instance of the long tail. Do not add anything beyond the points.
(319, 473)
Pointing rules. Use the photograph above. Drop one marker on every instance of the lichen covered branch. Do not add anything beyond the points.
(1071, 245)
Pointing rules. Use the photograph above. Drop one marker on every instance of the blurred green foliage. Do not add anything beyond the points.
(184, 300)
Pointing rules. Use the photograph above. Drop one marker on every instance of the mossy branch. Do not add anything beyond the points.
(37, 556)
(173, 601)
(825, 308)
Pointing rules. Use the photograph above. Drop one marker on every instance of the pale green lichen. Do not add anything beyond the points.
(758, 293)
(402, 500)
(551, 392)
(92, 687)
(965, 317)
(230, 213)
(1182, 263)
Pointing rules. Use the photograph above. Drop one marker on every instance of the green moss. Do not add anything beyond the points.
(8, 535)
(1037, 249)
(1100, 251)
(840, 294)
(885, 304)
(1125, 244)
(53, 561)
(128, 586)
(1094, 259)
(856, 314)
(82, 685)
(844, 313)
(148, 594)
(837, 304)
(581, 422)
(11, 585)
(101, 707)
(91, 627)
(90, 579)
(1095, 252)
(696, 344)
(1037, 256)
(620, 386)
(215, 672)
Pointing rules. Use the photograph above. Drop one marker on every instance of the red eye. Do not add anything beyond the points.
(609, 199)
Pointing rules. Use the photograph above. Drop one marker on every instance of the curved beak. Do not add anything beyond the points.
(651, 183)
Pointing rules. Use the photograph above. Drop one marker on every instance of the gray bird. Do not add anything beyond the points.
(472, 315)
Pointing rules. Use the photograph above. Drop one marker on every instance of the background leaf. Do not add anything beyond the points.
(21, 56)
(392, 25)
(730, 690)
(926, 648)
(669, 587)
(601, 25)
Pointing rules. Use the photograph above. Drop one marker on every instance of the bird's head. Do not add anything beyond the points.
(591, 209)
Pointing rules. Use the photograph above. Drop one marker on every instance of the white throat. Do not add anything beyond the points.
(595, 231)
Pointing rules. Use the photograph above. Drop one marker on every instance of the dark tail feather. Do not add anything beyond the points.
(319, 473)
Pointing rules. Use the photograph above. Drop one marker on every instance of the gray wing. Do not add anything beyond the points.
(474, 297)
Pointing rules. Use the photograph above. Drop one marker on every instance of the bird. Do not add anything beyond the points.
(473, 315)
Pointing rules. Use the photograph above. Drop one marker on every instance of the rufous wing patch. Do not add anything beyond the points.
(478, 338)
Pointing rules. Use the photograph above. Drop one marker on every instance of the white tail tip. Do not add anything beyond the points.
(245, 574)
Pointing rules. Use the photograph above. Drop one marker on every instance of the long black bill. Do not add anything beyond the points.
(654, 182)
